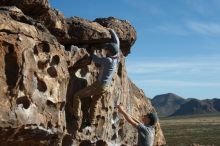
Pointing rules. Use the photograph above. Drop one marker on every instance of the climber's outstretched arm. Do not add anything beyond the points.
(135, 120)
(86, 60)
(114, 36)
(130, 119)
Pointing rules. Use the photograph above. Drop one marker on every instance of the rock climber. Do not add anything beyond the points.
(146, 128)
(98, 88)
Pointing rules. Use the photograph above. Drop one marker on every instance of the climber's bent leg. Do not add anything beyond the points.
(85, 92)
(101, 91)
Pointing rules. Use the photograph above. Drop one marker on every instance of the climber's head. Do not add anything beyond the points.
(150, 119)
(112, 49)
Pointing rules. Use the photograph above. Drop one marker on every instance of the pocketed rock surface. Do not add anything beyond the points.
(37, 88)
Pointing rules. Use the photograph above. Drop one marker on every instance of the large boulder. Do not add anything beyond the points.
(37, 88)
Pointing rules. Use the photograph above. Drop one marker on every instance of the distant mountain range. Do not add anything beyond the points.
(173, 105)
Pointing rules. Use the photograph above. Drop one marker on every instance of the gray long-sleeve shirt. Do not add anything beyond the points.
(145, 135)
(108, 68)
(108, 64)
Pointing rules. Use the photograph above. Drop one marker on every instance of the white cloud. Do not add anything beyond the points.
(194, 65)
(189, 28)
(173, 29)
(177, 83)
(209, 28)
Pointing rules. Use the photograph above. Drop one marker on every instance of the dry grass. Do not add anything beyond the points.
(183, 131)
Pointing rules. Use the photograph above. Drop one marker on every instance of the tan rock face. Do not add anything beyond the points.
(33, 80)
(37, 89)
(55, 22)
(29, 7)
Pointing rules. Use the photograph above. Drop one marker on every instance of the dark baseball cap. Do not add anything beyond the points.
(153, 118)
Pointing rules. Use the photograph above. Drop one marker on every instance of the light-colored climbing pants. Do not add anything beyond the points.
(97, 91)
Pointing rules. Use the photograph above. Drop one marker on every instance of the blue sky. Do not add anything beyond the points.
(178, 42)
